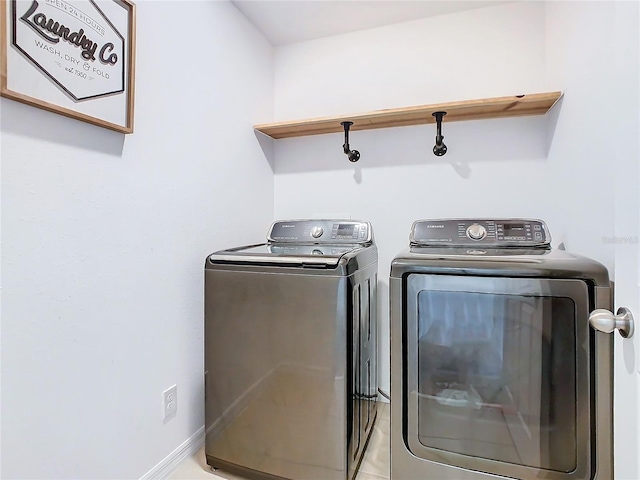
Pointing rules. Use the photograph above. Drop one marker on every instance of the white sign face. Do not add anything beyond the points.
(72, 43)
(72, 57)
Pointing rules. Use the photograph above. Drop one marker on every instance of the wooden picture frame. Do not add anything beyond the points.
(72, 57)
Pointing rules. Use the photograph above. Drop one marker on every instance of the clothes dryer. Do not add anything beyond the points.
(495, 370)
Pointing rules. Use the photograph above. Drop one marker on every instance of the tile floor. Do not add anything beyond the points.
(374, 466)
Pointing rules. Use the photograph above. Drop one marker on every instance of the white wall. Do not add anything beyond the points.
(104, 238)
(559, 167)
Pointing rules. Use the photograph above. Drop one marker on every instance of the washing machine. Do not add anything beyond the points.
(291, 352)
(495, 369)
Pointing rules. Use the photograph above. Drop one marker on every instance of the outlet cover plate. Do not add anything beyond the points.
(170, 402)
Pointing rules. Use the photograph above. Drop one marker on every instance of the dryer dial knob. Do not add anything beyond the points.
(317, 231)
(476, 232)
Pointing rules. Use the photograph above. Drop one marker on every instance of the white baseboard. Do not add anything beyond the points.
(166, 467)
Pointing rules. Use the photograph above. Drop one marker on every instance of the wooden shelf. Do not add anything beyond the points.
(515, 106)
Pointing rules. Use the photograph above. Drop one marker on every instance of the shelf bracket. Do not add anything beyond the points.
(352, 155)
(440, 148)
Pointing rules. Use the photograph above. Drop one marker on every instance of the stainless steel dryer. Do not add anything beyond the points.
(495, 371)
(290, 352)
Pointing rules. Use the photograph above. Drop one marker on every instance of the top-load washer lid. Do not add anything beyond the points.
(302, 243)
(287, 255)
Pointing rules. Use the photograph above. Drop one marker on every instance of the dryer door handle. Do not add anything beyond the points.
(605, 321)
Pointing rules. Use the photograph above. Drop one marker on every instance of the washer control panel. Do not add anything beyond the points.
(320, 231)
(465, 232)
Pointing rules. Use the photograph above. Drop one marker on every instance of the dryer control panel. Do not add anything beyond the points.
(495, 233)
(321, 231)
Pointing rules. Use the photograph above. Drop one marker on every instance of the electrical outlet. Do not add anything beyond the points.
(170, 402)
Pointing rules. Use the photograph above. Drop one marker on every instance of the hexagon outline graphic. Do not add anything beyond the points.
(51, 77)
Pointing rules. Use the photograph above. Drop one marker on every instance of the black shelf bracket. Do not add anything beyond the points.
(440, 148)
(352, 155)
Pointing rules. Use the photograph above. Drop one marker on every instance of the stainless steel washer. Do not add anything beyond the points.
(290, 352)
(495, 371)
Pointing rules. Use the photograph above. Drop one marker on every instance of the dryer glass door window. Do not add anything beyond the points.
(497, 377)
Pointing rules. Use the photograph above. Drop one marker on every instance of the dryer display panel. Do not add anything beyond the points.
(474, 232)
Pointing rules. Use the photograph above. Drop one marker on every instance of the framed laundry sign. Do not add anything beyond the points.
(72, 57)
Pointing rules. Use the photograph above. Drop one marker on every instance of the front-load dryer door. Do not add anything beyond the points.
(497, 375)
